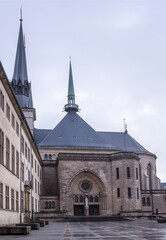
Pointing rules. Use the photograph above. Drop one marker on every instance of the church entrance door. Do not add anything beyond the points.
(79, 210)
(93, 210)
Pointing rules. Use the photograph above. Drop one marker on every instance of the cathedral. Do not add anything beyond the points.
(71, 170)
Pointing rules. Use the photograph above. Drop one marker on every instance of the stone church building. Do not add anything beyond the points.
(78, 171)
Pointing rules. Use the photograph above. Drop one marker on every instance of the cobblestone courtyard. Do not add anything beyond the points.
(127, 230)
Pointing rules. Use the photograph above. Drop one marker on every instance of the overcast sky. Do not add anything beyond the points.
(118, 51)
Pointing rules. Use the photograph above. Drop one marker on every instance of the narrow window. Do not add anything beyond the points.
(1, 195)
(52, 204)
(7, 153)
(35, 166)
(22, 144)
(13, 121)
(13, 159)
(22, 171)
(26, 150)
(7, 197)
(35, 186)
(17, 129)
(118, 192)
(7, 111)
(29, 155)
(129, 192)
(91, 199)
(81, 199)
(36, 205)
(17, 207)
(117, 173)
(31, 160)
(137, 193)
(45, 157)
(148, 201)
(96, 198)
(12, 199)
(136, 173)
(17, 164)
(50, 157)
(128, 172)
(22, 201)
(143, 201)
(149, 173)
(1, 147)
(76, 198)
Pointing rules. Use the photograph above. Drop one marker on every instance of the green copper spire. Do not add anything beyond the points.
(71, 95)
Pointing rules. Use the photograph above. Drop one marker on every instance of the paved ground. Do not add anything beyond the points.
(127, 230)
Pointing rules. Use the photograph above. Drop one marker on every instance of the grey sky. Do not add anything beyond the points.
(118, 50)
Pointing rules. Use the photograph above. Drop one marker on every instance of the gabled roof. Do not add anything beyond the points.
(124, 141)
(73, 131)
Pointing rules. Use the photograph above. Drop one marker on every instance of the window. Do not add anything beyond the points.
(33, 203)
(13, 159)
(32, 160)
(12, 199)
(26, 150)
(76, 198)
(81, 199)
(1, 195)
(148, 201)
(1, 100)
(29, 176)
(118, 192)
(32, 183)
(38, 188)
(17, 201)
(29, 155)
(38, 170)
(35, 166)
(137, 193)
(45, 157)
(136, 173)
(17, 164)
(7, 111)
(22, 144)
(7, 197)
(35, 186)
(7, 153)
(13, 121)
(17, 128)
(128, 172)
(96, 198)
(149, 173)
(36, 205)
(143, 201)
(117, 173)
(22, 201)
(91, 199)
(129, 192)
(1, 147)
(22, 172)
(50, 157)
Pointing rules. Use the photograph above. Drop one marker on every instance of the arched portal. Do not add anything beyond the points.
(85, 194)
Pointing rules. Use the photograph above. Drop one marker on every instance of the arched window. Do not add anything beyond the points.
(91, 199)
(149, 173)
(45, 157)
(53, 204)
(81, 199)
(46, 204)
(148, 201)
(50, 157)
(76, 198)
(96, 198)
(49, 204)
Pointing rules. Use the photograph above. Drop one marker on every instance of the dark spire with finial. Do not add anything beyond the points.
(20, 84)
(71, 95)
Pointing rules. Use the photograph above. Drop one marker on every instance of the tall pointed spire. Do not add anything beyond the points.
(71, 95)
(20, 84)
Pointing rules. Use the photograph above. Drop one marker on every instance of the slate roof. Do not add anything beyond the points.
(124, 141)
(72, 131)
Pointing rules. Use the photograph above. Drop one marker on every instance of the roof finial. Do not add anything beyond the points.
(21, 15)
(125, 126)
(71, 95)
